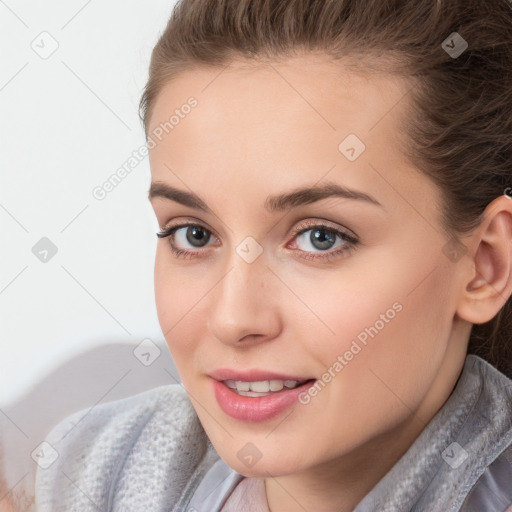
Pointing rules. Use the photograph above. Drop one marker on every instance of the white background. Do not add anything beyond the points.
(67, 123)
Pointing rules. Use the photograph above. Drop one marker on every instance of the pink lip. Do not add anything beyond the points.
(260, 408)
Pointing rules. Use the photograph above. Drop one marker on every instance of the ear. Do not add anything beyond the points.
(489, 285)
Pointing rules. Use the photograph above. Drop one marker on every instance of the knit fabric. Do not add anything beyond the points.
(134, 454)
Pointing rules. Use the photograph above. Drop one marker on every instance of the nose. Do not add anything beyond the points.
(245, 304)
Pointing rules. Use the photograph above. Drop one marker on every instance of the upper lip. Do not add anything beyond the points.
(254, 375)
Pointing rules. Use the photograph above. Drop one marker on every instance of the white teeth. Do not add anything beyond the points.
(243, 386)
(276, 385)
(262, 386)
(230, 384)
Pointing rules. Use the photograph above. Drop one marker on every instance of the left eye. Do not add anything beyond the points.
(196, 236)
(320, 239)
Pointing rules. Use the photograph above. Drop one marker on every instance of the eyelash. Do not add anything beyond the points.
(351, 241)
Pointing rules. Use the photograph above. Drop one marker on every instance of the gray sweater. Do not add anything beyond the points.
(149, 452)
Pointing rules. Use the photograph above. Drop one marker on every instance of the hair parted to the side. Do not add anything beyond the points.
(460, 122)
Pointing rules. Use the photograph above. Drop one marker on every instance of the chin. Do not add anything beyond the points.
(262, 467)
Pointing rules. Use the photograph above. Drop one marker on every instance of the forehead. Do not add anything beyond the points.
(271, 123)
(312, 84)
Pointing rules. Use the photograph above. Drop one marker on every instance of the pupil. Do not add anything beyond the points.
(197, 236)
(322, 239)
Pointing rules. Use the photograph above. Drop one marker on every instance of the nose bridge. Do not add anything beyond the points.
(243, 303)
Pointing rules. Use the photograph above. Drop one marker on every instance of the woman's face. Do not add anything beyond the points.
(309, 250)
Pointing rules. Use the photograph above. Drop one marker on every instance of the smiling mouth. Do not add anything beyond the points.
(262, 387)
(258, 400)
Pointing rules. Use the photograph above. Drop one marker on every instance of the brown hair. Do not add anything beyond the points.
(460, 127)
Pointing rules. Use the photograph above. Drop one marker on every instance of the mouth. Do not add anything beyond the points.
(262, 387)
(258, 400)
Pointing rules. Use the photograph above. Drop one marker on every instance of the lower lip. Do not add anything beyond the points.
(261, 408)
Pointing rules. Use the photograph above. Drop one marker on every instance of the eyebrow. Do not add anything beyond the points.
(275, 203)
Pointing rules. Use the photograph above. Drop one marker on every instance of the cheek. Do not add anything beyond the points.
(393, 319)
(165, 292)
(396, 300)
(392, 343)
(339, 306)
(176, 295)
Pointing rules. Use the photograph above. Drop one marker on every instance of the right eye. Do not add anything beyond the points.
(183, 237)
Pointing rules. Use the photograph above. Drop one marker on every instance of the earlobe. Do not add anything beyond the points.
(490, 284)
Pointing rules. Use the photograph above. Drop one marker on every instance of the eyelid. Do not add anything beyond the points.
(189, 221)
(310, 224)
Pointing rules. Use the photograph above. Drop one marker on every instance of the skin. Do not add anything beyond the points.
(264, 129)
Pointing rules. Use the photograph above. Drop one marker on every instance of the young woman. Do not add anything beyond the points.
(333, 271)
